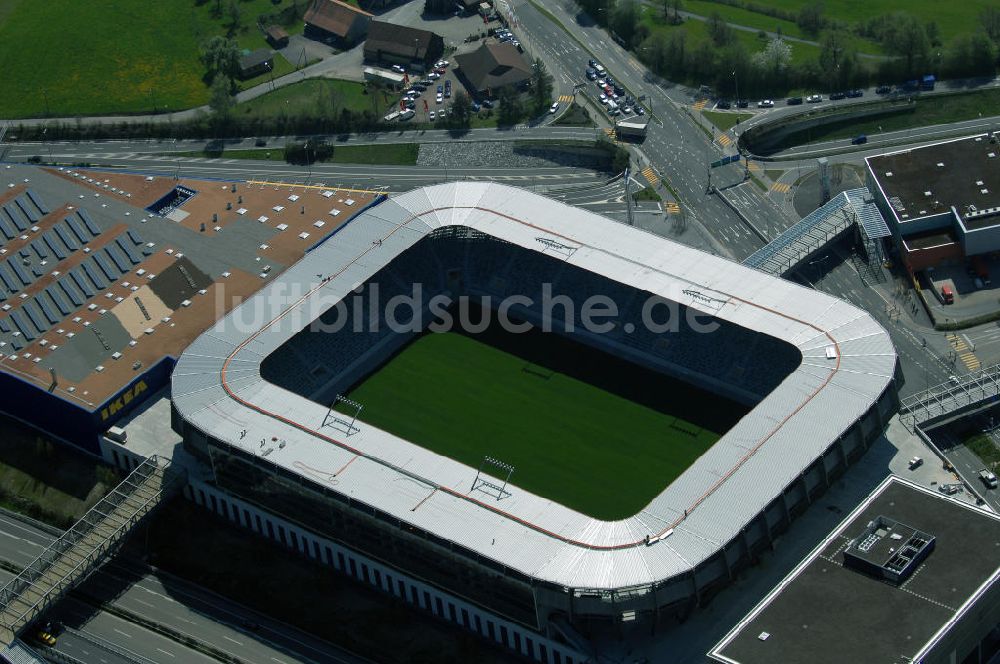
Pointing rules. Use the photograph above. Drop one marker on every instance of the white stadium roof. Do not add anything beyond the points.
(847, 362)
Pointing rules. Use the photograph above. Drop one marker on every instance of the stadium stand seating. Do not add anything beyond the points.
(730, 355)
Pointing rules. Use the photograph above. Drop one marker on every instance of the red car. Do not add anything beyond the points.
(439, 70)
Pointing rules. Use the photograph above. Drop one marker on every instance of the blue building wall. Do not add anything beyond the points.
(71, 421)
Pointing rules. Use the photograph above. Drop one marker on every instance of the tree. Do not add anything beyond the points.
(222, 101)
(810, 18)
(989, 18)
(460, 116)
(672, 12)
(625, 20)
(510, 111)
(970, 55)
(719, 30)
(221, 56)
(541, 86)
(234, 17)
(906, 37)
(774, 59)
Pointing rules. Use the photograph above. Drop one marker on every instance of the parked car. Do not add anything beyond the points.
(260, 142)
(989, 478)
(742, 103)
(440, 89)
(883, 89)
(627, 110)
(433, 76)
(723, 103)
(765, 103)
(554, 107)
(438, 99)
(592, 63)
(794, 101)
(432, 115)
(837, 96)
(949, 489)
(476, 106)
(603, 98)
(855, 93)
(399, 69)
(916, 462)
(591, 75)
(639, 110)
(487, 103)
(814, 99)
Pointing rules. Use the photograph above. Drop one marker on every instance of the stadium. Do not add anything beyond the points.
(498, 469)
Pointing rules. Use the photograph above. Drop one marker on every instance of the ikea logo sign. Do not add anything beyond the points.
(123, 400)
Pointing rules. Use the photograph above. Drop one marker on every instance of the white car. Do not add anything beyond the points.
(432, 115)
(438, 99)
(603, 98)
(434, 76)
(765, 103)
(601, 82)
(399, 69)
(627, 110)
(812, 99)
(554, 107)
(443, 113)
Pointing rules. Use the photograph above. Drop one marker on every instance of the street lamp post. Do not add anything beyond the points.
(736, 83)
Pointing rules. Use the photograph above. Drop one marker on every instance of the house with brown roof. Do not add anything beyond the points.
(390, 43)
(277, 36)
(337, 23)
(493, 67)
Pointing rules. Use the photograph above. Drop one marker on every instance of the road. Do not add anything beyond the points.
(676, 148)
(181, 607)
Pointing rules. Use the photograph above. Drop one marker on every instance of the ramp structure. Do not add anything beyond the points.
(81, 549)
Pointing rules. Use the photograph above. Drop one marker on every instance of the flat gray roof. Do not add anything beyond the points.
(824, 612)
(930, 180)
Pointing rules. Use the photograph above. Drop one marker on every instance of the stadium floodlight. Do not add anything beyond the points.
(480, 482)
(334, 420)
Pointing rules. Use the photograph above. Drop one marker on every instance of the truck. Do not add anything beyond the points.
(631, 128)
(927, 82)
(989, 478)
(981, 269)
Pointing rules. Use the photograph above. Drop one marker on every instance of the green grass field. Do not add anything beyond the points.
(581, 427)
(757, 21)
(65, 57)
(312, 96)
(983, 447)
(697, 31)
(952, 19)
(725, 121)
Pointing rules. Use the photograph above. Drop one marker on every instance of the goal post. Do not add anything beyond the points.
(501, 469)
(341, 421)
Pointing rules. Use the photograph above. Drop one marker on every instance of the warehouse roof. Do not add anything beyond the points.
(826, 612)
(848, 362)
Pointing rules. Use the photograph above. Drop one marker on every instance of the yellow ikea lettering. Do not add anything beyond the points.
(124, 399)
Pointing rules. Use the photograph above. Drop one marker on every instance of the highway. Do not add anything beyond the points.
(676, 147)
(179, 606)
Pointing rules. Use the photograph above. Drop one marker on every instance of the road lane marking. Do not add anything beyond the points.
(125, 634)
(227, 638)
(166, 652)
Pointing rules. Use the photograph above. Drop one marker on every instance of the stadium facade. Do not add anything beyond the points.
(251, 397)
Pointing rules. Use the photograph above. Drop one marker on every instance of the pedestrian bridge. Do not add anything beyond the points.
(81, 549)
(820, 227)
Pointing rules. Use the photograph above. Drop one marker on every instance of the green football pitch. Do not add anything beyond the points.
(581, 427)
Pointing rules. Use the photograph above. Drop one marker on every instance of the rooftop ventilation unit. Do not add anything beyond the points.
(888, 550)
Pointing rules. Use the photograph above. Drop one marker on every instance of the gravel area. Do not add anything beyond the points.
(498, 154)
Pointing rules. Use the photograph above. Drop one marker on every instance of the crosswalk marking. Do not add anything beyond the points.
(698, 105)
(651, 176)
(672, 208)
(724, 140)
(781, 188)
(609, 131)
(754, 166)
(965, 354)
(565, 99)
